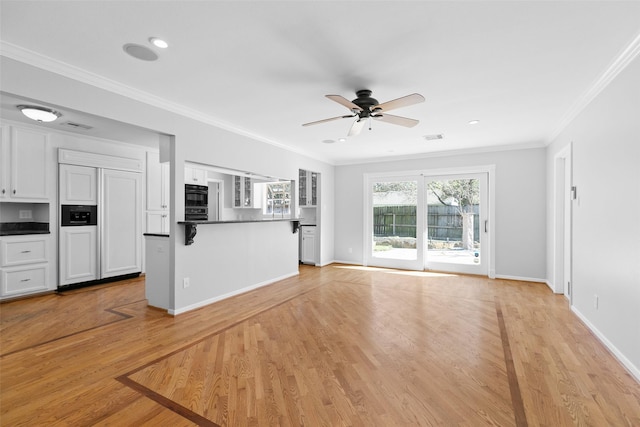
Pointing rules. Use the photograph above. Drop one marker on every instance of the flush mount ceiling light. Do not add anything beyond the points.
(158, 42)
(40, 114)
(474, 122)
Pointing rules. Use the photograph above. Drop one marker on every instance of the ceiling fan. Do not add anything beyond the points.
(364, 107)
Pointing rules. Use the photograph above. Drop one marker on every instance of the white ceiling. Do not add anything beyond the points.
(262, 68)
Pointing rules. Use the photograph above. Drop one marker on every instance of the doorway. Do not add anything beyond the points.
(562, 283)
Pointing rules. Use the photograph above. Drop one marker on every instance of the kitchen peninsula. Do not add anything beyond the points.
(191, 226)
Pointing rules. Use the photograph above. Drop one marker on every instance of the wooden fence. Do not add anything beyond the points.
(443, 222)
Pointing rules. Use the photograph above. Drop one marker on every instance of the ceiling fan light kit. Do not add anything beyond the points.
(364, 108)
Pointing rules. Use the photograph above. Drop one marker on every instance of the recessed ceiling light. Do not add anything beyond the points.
(474, 122)
(434, 137)
(342, 139)
(39, 114)
(159, 43)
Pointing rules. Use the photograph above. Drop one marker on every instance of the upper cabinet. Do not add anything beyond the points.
(23, 174)
(157, 214)
(157, 183)
(78, 185)
(307, 188)
(244, 193)
(195, 176)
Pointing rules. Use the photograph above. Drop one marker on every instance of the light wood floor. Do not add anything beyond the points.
(338, 345)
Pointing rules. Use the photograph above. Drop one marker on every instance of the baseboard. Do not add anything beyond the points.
(633, 370)
(520, 278)
(228, 295)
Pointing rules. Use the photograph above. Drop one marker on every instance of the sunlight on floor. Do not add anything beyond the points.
(400, 272)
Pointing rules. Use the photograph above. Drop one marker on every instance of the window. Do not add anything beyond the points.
(277, 198)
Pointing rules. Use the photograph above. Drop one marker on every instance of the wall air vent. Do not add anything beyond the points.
(76, 125)
(434, 137)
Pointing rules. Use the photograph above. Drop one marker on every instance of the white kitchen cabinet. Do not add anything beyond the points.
(158, 222)
(24, 264)
(307, 188)
(157, 183)
(157, 215)
(24, 165)
(308, 245)
(80, 248)
(121, 233)
(78, 185)
(195, 176)
(244, 194)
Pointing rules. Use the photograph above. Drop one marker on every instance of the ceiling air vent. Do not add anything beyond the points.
(434, 137)
(76, 125)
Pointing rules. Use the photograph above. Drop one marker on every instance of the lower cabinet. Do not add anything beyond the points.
(24, 264)
(157, 222)
(308, 245)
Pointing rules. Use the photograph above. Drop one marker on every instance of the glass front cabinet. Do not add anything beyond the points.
(307, 188)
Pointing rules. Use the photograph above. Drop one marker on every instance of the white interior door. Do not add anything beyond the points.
(457, 223)
(121, 223)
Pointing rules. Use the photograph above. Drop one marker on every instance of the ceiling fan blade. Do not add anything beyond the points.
(356, 127)
(344, 101)
(327, 120)
(396, 120)
(405, 101)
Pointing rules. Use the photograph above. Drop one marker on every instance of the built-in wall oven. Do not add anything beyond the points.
(196, 202)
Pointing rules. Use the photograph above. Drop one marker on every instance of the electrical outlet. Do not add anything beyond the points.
(595, 302)
(185, 283)
(26, 214)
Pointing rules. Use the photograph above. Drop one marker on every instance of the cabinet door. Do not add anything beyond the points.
(78, 185)
(308, 248)
(237, 191)
(28, 164)
(5, 164)
(195, 176)
(157, 183)
(302, 187)
(121, 232)
(16, 250)
(78, 254)
(313, 188)
(157, 222)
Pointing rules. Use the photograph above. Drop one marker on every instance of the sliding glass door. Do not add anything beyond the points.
(457, 223)
(394, 223)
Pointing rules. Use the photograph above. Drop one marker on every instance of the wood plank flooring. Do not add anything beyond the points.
(338, 345)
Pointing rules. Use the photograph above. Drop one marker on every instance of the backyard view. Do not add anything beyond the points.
(452, 220)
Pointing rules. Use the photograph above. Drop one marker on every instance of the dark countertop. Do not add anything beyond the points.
(156, 234)
(240, 221)
(23, 228)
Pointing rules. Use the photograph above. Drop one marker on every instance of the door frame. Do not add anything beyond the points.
(562, 222)
(490, 170)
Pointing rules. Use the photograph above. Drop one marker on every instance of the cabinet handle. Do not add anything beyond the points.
(14, 191)
(25, 252)
(25, 280)
(3, 191)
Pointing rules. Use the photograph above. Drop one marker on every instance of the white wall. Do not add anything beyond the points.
(520, 205)
(606, 223)
(192, 141)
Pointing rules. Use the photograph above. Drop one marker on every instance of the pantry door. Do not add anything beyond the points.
(457, 223)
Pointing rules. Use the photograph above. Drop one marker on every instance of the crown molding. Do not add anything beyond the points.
(47, 63)
(619, 63)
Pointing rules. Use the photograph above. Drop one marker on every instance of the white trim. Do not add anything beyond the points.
(47, 63)
(633, 370)
(520, 278)
(618, 64)
(206, 302)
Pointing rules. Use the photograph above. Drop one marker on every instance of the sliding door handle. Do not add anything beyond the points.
(486, 228)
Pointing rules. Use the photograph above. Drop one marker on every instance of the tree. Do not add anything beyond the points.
(463, 194)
